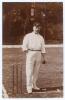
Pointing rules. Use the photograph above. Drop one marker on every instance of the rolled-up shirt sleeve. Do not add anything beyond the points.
(43, 46)
(25, 43)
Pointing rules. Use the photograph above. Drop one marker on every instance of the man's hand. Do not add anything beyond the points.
(43, 59)
(44, 62)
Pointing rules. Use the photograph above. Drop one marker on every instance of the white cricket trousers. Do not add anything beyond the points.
(33, 62)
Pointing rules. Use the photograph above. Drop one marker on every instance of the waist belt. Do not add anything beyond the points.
(33, 50)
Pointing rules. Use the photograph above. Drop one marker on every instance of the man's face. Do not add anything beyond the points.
(36, 29)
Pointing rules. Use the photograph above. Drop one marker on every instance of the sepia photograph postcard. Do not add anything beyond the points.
(32, 50)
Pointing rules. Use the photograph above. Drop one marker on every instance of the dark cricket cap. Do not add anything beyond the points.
(37, 24)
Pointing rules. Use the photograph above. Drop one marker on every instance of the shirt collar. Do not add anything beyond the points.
(35, 33)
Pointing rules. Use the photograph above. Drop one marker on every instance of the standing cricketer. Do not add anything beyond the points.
(34, 46)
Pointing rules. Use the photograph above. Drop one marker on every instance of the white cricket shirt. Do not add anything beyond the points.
(34, 42)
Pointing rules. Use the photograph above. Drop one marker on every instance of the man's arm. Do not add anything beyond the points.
(25, 44)
(43, 51)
